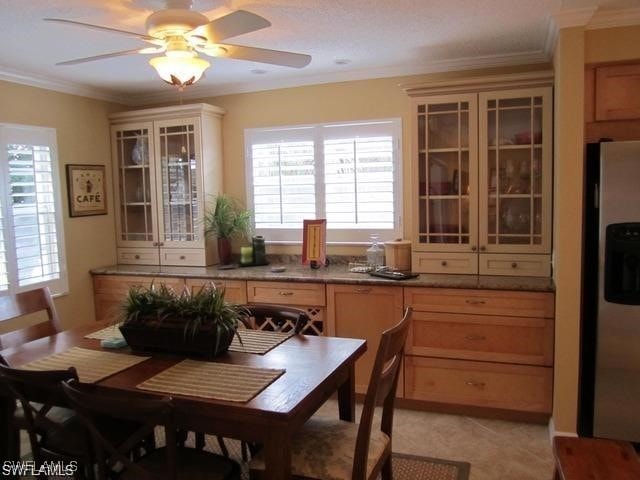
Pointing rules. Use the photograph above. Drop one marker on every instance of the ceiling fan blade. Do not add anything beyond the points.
(231, 25)
(110, 55)
(104, 29)
(264, 55)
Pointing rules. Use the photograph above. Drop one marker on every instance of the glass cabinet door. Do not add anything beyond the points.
(447, 173)
(136, 210)
(178, 173)
(515, 184)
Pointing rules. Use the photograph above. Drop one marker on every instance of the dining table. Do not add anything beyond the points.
(315, 368)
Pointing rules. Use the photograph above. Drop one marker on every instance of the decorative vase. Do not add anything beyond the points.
(138, 152)
(224, 251)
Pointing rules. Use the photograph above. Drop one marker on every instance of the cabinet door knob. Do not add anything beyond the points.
(474, 248)
(160, 244)
(443, 263)
(471, 383)
(285, 294)
(471, 301)
(137, 257)
(482, 248)
(182, 257)
(362, 290)
(514, 265)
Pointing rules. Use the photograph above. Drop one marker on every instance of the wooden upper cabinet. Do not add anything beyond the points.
(617, 92)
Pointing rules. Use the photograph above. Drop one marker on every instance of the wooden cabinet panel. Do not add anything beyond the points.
(512, 387)
(359, 311)
(111, 290)
(483, 302)
(444, 262)
(617, 88)
(482, 337)
(235, 290)
(501, 264)
(286, 293)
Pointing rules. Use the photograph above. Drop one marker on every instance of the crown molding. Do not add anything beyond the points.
(467, 63)
(551, 38)
(62, 86)
(612, 18)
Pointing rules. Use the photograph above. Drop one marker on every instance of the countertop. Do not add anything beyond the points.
(333, 274)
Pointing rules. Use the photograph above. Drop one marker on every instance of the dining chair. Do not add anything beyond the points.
(170, 462)
(54, 431)
(15, 306)
(25, 303)
(335, 449)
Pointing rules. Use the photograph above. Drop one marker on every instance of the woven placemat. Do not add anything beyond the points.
(220, 381)
(112, 331)
(92, 365)
(258, 341)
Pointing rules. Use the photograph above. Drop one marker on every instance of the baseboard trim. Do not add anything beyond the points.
(556, 433)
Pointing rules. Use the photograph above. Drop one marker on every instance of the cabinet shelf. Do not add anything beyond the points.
(493, 196)
(443, 197)
(444, 150)
(519, 146)
(135, 167)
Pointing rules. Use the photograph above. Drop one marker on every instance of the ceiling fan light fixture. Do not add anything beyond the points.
(179, 70)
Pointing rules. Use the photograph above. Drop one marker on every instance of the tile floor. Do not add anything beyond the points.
(496, 449)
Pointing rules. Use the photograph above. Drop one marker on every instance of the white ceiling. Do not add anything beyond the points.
(379, 37)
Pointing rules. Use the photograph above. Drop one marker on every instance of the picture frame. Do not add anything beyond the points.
(86, 190)
(314, 242)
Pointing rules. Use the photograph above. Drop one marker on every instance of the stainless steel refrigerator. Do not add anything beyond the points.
(610, 348)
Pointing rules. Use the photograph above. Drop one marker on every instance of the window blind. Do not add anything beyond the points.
(31, 241)
(347, 173)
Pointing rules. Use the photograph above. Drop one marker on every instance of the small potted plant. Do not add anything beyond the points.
(226, 220)
(156, 318)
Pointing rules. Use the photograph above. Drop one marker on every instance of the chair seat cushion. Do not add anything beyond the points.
(191, 465)
(324, 449)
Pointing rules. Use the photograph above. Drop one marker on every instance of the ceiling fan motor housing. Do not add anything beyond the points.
(173, 21)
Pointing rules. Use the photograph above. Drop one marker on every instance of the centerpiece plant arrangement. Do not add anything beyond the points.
(227, 219)
(156, 318)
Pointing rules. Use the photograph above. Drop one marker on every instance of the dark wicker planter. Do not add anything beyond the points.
(171, 338)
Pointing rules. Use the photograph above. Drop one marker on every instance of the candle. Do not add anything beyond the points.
(246, 255)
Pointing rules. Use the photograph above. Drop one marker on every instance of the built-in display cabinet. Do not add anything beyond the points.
(482, 169)
(167, 164)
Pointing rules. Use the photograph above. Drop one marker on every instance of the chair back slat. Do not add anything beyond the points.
(21, 304)
(93, 403)
(381, 391)
(263, 316)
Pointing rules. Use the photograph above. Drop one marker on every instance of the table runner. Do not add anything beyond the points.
(258, 341)
(220, 381)
(92, 365)
(112, 331)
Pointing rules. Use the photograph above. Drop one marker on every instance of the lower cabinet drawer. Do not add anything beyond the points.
(194, 257)
(506, 264)
(286, 293)
(138, 256)
(444, 262)
(482, 384)
(487, 338)
(235, 290)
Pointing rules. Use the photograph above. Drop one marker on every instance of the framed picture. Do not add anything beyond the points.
(314, 242)
(86, 186)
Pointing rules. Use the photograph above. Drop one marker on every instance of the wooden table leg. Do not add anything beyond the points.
(347, 397)
(277, 457)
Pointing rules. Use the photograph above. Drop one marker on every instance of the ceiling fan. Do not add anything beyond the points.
(181, 33)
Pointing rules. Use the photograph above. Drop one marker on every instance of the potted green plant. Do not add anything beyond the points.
(226, 220)
(156, 318)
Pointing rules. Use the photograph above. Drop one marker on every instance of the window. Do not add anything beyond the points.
(31, 233)
(348, 173)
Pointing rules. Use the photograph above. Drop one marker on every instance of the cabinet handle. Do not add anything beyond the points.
(137, 257)
(285, 294)
(474, 248)
(155, 244)
(471, 383)
(475, 337)
(182, 257)
(514, 265)
(474, 302)
(160, 244)
(362, 290)
(443, 263)
(482, 248)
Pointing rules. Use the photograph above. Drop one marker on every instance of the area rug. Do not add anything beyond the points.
(412, 467)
